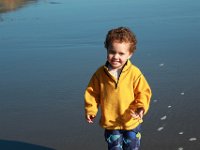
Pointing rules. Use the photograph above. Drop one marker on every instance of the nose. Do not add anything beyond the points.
(116, 56)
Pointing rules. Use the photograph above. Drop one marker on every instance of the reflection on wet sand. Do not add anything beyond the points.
(12, 5)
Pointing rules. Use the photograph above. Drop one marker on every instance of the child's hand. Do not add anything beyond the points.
(139, 113)
(90, 118)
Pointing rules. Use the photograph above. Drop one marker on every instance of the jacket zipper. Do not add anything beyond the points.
(116, 82)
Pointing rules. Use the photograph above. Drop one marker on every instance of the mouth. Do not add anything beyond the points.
(115, 62)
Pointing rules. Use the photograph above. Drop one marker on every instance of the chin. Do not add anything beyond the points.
(116, 66)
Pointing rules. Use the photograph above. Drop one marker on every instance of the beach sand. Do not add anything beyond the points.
(46, 62)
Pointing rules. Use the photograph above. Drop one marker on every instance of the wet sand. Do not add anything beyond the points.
(46, 62)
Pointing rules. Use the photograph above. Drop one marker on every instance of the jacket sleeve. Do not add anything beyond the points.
(142, 94)
(92, 96)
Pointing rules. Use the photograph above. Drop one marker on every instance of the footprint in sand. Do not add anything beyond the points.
(161, 65)
(181, 133)
(155, 100)
(192, 139)
(163, 118)
(160, 128)
(169, 106)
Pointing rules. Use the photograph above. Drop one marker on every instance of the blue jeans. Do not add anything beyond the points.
(123, 139)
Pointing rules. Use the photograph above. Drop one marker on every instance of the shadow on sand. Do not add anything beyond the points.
(15, 145)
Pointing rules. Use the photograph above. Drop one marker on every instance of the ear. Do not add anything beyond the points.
(130, 55)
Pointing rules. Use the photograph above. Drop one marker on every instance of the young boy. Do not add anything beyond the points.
(121, 91)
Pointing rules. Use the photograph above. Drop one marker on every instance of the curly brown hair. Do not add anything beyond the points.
(121, 34)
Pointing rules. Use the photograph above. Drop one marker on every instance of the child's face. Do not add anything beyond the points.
(118, 54)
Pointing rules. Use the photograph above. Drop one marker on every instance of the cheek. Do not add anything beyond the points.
(124, 58)
(109, 56)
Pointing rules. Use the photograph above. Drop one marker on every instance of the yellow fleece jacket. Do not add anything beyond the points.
(116, 97)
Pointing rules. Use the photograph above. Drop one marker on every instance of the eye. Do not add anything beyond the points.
(111, 52)
(121, 54)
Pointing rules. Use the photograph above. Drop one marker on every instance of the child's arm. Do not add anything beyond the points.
(142, 93)
(92, 99)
